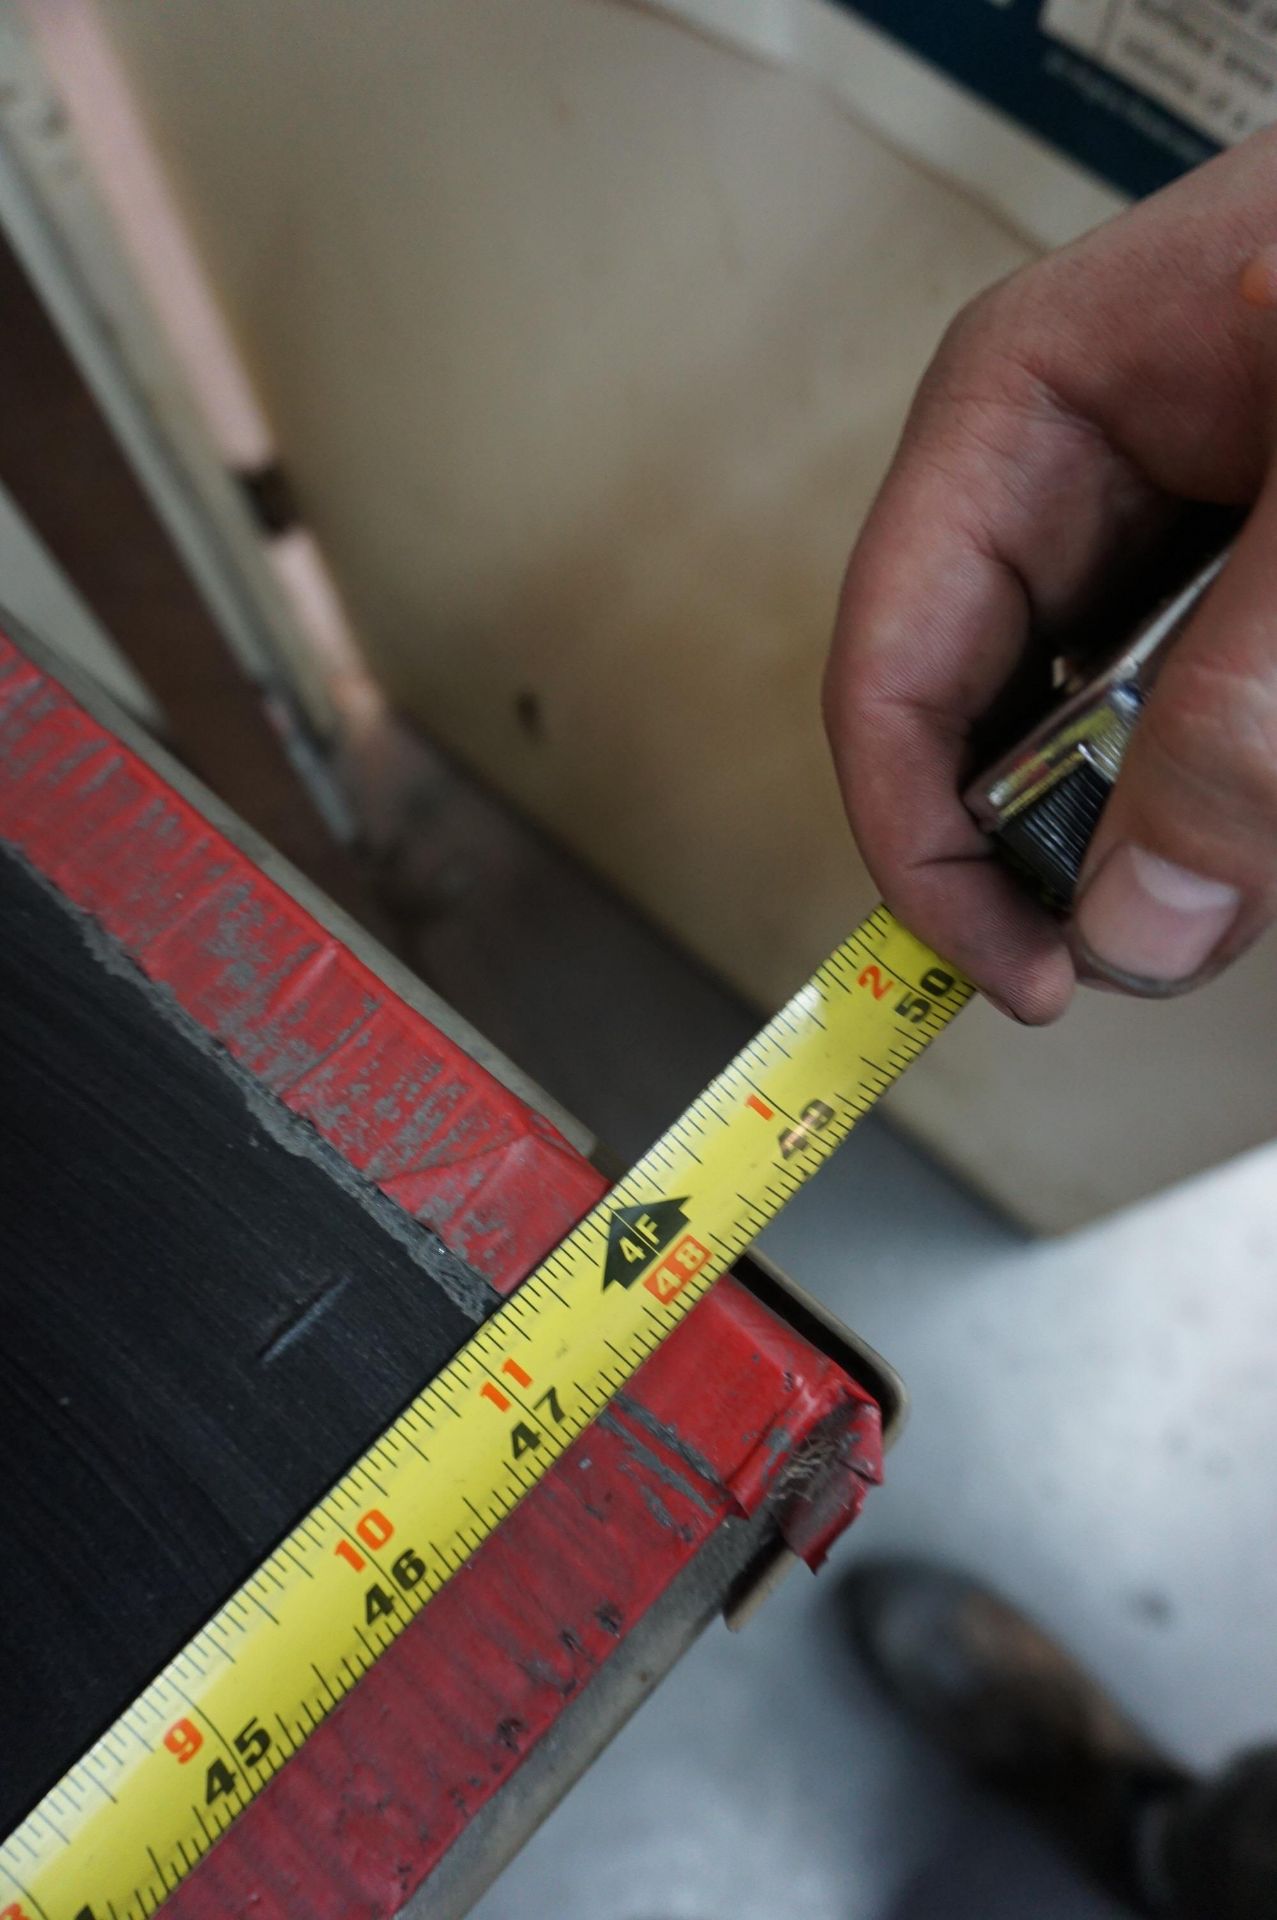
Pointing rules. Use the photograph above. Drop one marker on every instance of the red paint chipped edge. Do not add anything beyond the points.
(735, 1409)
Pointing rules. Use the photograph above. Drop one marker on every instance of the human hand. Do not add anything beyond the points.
(1067, 418)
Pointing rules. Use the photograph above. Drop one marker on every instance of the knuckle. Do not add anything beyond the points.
(969, 357)
(985, 342)
(989, 402)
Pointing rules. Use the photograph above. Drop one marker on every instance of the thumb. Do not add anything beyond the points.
(1182, 874)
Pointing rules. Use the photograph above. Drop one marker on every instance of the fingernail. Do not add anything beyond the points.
(1149, 923)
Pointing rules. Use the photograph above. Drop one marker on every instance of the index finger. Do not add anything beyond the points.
(998, 512)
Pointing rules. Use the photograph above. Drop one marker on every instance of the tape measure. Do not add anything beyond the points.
(142, 1807)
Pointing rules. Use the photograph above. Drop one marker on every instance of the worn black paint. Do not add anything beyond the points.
(201, 1325)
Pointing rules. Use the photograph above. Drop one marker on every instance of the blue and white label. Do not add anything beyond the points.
(1212, 62)
(1137, 90)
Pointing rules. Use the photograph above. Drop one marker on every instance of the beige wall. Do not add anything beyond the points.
(586, 341)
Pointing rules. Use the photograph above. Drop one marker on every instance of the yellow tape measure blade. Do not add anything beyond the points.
(150, 1798)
